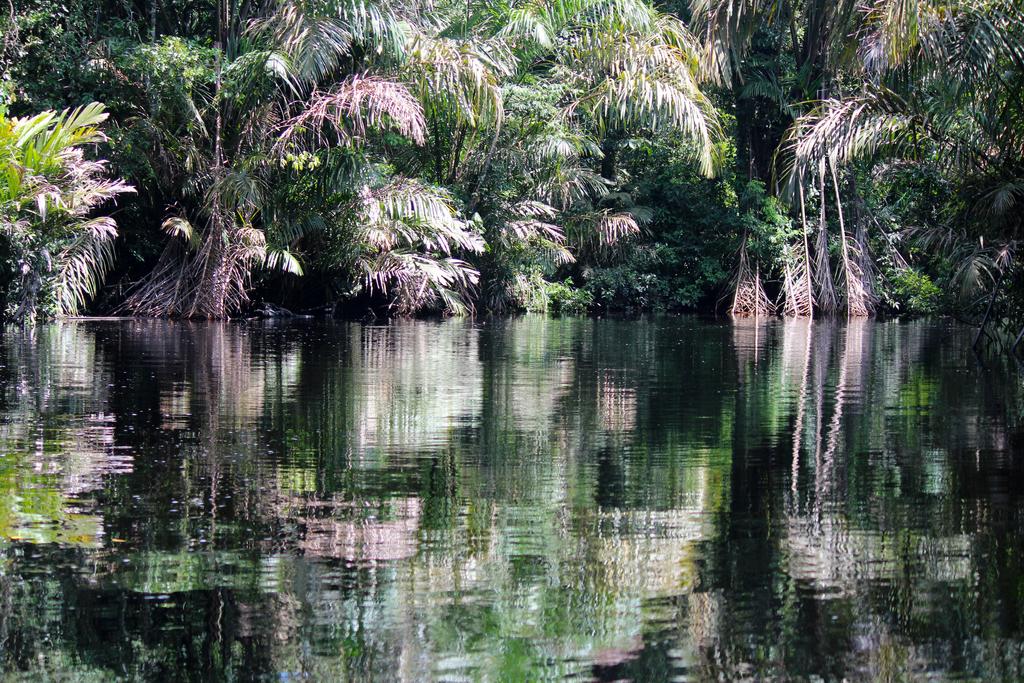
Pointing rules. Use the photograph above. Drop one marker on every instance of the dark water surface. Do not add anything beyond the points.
(513, 500)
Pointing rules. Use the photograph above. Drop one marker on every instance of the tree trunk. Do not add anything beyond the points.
(826, 291)
(609, 168)
(858, 302)
(988, 308)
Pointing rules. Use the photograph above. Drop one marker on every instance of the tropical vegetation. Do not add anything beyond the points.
(798, 157)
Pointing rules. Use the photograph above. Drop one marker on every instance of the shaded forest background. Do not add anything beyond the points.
(799, 157)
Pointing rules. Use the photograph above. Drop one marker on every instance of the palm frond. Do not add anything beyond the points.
(345, 114)
(460, 77)
(48, 193)
(411, 232)
(179, 227)
(842, 131)
(282, 260)
(639, 98)
(317, 36)
(83, 264)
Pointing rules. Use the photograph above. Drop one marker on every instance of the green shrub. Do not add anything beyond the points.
(565, 299)
(912, 292)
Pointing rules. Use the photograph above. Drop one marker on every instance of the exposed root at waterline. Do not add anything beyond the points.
(749, 298)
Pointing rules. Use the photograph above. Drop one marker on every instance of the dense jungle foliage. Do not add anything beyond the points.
(794, 156)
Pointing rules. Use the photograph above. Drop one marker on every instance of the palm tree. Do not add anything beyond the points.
(306, 116)
(820, 38)
(941, 89)
(57, 250)
(402, 237)
(543, 97)
(271, 151)
(934, 84)
(207, 137)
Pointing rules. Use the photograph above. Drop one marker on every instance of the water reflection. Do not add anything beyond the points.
(512, 500)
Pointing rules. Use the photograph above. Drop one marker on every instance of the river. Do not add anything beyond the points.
(515, 499)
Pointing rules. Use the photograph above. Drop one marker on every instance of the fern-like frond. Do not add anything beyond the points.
(344, 114)
(83, 264)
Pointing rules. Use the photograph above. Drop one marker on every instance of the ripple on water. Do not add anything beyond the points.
(520, 499)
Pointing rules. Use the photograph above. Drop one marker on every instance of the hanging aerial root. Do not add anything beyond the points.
(860, 302)
(797, 292)
(798, 283)
(209, 282)
(749, 298)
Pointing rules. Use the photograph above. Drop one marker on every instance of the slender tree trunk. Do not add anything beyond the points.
(988, 308)
(609, 168)
(1017, 341)
(858, 304)
(808, 270)
(798, 285)
(438, 160)
(484, 170)
(826, 292)
(154, 102)
(211, 281)
(453, 168)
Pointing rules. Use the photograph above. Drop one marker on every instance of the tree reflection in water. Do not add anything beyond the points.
(511, 500)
